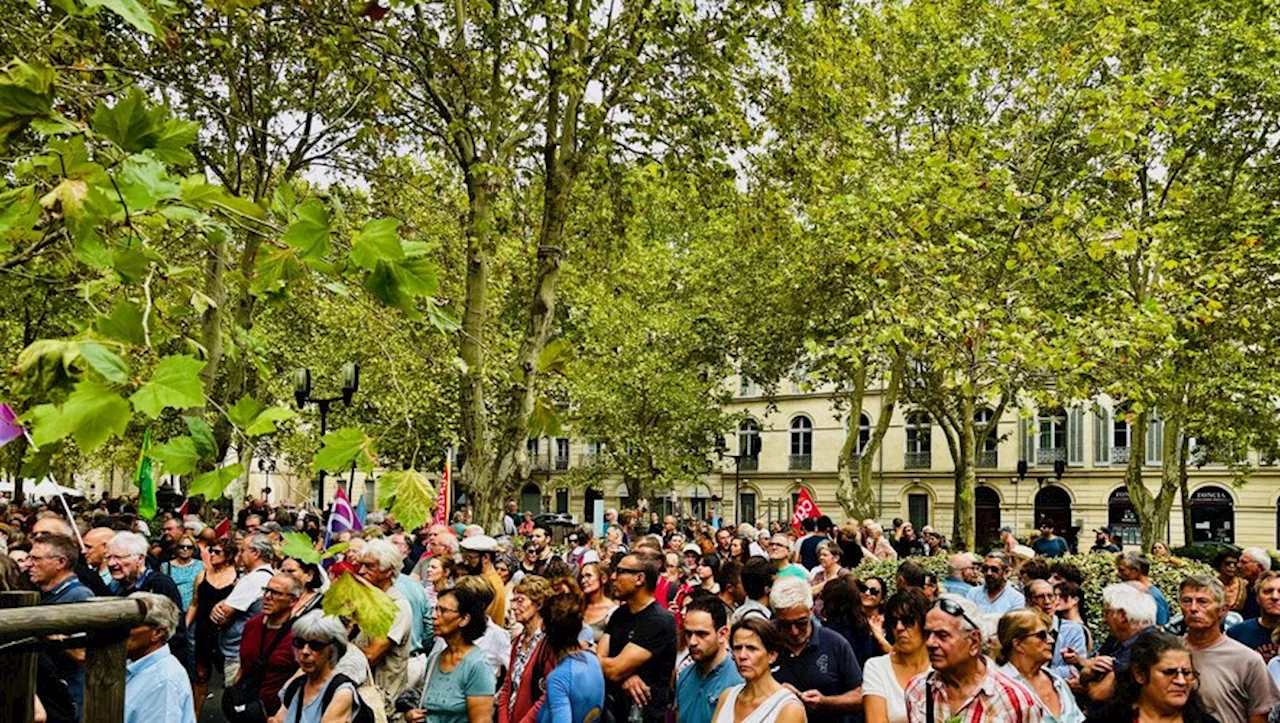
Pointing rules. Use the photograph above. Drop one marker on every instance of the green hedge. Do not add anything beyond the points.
(1099, 569)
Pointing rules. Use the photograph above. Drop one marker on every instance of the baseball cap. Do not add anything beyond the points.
(479, 543)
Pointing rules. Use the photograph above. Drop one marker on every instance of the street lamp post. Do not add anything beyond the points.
(302, 395)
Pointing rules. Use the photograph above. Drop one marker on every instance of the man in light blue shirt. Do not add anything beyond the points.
(156, 687)
(1041, 595)
(698, 686)
(996, 596)
(957, 566)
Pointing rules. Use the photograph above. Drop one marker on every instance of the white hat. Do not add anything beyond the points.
(479, 543)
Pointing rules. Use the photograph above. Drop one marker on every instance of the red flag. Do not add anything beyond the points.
(182, 511)
(223, 529)
(805, 508)
(441, 515)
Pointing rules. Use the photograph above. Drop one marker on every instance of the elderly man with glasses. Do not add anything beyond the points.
(818, 665)
(156, 687)
(379, 564)
(266, 652)
(964, 683)
(51, 568)
(127, 561)
(254, 561)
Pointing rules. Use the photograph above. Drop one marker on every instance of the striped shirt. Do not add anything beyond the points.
(998, 699)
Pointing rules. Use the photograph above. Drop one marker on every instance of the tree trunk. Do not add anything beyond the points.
(964, 527)
(857, 495)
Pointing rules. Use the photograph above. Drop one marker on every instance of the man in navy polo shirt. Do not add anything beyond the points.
(818, 665)
(698, 686)
(52, 568)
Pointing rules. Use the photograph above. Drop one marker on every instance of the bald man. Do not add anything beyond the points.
(957, 566)
(53, 524)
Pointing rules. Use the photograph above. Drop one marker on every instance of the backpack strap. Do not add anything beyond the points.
(332, 689)
(928, 698)
(292, 689)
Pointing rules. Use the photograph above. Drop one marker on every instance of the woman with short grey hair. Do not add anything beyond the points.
(319, 641)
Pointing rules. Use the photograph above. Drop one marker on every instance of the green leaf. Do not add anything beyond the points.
(25, 94)
(91, 415)
(298, 545)
(408, 494)
(213, 484)
(144, 182)
(105, 362)
(124, 324)
(352, 597)
(343, 447)
(555, 357)
(377, 241)
(274, 269)
(178, 455)
(131, 264)
(265, 423)
(131, 123)
(175, 383)
(132, 12)
(171, 144)
(244, 412)
(310, 233)
(385, 286)
(202, 435)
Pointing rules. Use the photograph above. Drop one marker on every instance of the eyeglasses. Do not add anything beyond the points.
(315, 645)
(866, 590)
(800, 624)
(1187, 673)
(952, 608)
(441, 610)
(268, 592)
(1044, 635)
(992, 568)
(626, 571)
(215, 550)
(43, 557)
(1045, 596)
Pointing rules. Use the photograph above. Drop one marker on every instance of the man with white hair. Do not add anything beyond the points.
(964, 684)
(1128, 611)
(441, 542)
(1253, 562)
(254, 561)
(1234, 683)
(818, 664)
(379, 564)
(414, 592)
(156, 686)
(955, 583)
(127, 561)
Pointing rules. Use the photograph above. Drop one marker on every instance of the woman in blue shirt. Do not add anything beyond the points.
(575, 688)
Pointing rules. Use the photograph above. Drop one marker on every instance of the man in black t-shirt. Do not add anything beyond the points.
(638, 650)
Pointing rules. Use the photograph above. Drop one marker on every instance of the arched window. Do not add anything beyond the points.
(919, 444)
(748, 445)
(988, 456)
(801, 443)
(1051, 445)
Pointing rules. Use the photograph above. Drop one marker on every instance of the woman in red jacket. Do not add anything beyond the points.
(524, 688)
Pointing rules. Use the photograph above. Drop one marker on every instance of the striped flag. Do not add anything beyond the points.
(445, 495)
(343, 516)
(9, 427)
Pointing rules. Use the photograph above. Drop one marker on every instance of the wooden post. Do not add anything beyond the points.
(18, 670)
(104, 682)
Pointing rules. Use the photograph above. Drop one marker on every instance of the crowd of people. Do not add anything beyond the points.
(667, 622)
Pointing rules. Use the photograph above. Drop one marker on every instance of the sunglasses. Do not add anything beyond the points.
(800, 624)
(952, 608)
(186, 547)
(316, 645)
(866, 590)
(1187, 673)
(992, 568)
(1044, 635)
(626, 571)
(215, 550)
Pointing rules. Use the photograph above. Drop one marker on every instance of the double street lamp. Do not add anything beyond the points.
(302, 395)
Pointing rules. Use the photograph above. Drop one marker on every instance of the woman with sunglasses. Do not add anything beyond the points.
(755, 645)
(319, 641)
(871, 597)
(841, 611)
(184, 568)
(1027, 638)
(212, 586)
(885, 677)
(1159, 685)
(1227, 563)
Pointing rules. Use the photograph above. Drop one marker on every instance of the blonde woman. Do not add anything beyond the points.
(1027, 638)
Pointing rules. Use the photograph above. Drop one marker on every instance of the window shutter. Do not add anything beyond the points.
(1155, 441)
(1028, 442)
(1101, 436)
(1075, 435)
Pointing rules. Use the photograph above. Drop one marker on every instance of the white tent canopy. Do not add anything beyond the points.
(45, 490)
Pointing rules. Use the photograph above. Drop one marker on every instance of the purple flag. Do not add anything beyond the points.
(9, 427)
(343, 516)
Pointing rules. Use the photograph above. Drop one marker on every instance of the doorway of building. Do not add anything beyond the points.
(1054, 504)
(1213, 515)
(986, 504)
(531, 499)
(1122, 518)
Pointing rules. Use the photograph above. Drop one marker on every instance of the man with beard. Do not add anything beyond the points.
(638, 650)
(541, 542)
(706, 634)
(996, 596)
(478, 552)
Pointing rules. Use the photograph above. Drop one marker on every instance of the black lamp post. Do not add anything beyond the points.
(752, 453)
(302, 395)
(266, 466)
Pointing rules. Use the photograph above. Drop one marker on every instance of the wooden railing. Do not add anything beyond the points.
(105, 623)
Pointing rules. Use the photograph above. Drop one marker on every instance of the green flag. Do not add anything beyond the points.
(145, 479)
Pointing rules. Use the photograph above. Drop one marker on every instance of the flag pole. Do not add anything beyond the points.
(71, 519)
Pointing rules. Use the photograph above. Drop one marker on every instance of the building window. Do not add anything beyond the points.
(562, 501)
(589, 504)
(747, 386)
(748, 445)
(562, 453)
(532, 447)
(1122, 518)
(988, 456)
(864, 433)
(1051, 444)
(531, 499)
(801, 443)
(746, 507)
(591, 454)
(919, 441)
